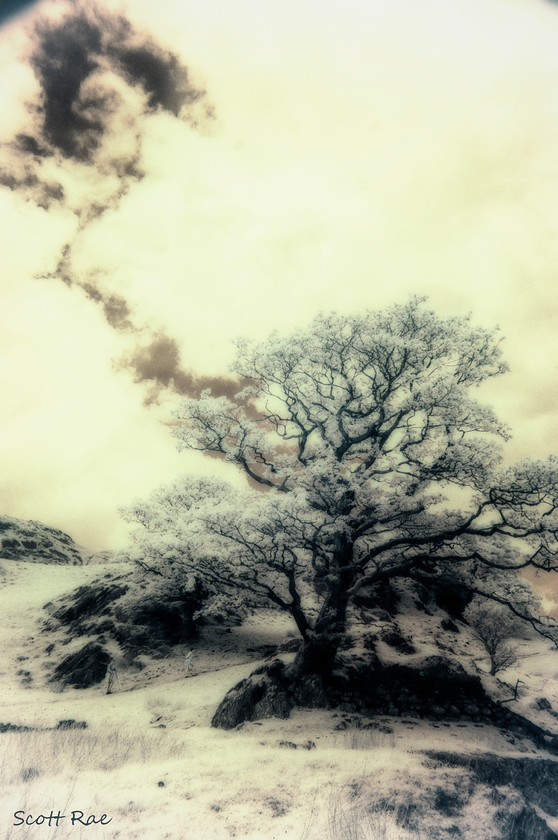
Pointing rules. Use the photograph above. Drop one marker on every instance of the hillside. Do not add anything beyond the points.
(34, 542)
(148, 757)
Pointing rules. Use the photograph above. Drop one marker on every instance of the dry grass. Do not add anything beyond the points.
(25, 756)
(351, 817)
(364, 739)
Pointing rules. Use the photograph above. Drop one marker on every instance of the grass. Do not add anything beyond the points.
(350, 817)
(364, 739)
(25, 756)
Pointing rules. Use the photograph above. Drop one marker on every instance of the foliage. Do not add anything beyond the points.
(366, 458)
(494, 625)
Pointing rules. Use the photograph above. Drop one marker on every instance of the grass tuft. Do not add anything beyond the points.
(25, 756)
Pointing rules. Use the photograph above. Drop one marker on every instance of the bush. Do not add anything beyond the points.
(494, 626)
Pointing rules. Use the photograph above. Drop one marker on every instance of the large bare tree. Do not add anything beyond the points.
(368, 458)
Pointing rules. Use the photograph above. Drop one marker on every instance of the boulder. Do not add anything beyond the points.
(84, 668)
(263, 694)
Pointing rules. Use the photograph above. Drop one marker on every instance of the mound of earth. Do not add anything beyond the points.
(33, 541)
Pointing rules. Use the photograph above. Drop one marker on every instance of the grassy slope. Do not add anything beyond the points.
(150, 760)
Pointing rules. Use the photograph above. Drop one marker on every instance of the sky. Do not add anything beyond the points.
(176, 175)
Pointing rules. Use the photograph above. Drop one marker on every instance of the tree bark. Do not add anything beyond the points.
(321, 644)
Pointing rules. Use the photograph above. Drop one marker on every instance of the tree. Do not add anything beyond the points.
(495, 627)
(368, 459)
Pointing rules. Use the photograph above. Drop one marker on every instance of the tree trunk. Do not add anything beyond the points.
(275, 689)
(320, 647)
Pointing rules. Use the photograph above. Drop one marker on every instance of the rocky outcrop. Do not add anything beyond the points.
(432, 688)
(86, 667)
(137, 614)
(87, 601)
(35, 542)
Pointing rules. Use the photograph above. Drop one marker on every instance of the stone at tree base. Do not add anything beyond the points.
(434, 688)
(308, 692)
(263, 694)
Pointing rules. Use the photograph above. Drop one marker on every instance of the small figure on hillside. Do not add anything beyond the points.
(190, 662)
(111, 677)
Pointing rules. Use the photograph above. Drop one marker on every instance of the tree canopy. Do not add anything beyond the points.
(367, 458)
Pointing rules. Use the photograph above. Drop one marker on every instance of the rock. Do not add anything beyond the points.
(71, 724)
(263, 694)
(308, 692)
(393, 637)
(84, 668)
(87, 601)
(141, 617)
(448, 624)
(528, 824)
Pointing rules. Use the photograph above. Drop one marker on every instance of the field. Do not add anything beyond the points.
(149, 760)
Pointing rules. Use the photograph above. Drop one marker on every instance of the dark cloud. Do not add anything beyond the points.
(43, 193)
(90, 66)
(66, 56)
(80, 63)
(115, 308)
(158, 364)
(70, 55)
(161, 76)
(29, 145)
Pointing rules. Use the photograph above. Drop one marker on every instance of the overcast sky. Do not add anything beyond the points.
(173, 175)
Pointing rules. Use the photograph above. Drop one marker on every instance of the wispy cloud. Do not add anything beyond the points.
(99, 80)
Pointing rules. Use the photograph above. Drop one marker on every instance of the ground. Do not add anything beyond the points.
(151, 762)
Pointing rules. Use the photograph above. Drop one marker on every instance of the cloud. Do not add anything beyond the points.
(65, 58)
(165, 80)
(158, 364)
(73, 60)
(99, 81)
(115, 308)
